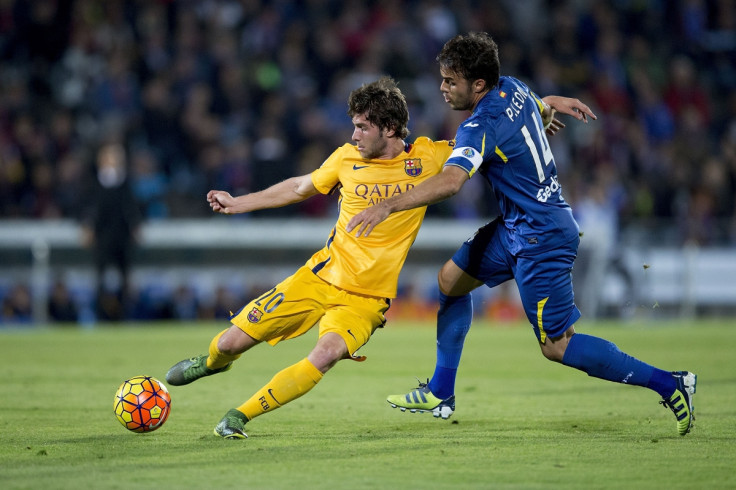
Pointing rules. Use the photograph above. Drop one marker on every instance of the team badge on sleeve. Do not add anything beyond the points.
(254, 315)
(413, 167)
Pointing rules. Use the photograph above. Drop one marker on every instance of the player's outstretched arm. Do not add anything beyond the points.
(565, 105)
(435, 189)
(295, 189)
(571, 107)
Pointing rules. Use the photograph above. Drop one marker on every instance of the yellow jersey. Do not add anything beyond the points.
(371, 265)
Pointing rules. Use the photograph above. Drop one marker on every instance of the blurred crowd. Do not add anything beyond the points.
(238, 94)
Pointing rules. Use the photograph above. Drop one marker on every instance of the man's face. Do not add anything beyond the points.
(456, 90)
(372, 142)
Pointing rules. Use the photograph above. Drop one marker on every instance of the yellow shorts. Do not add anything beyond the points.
(301, 301)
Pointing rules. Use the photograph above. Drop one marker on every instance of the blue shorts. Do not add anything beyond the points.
(544, 279)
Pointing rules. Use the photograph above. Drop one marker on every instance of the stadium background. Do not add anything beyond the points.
(237, 95)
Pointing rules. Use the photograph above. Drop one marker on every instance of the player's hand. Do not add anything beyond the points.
(571, 107)
(554, 127)
(220, 201)
(368, 219)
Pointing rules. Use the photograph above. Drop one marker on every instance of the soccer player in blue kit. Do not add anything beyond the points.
(534, 241)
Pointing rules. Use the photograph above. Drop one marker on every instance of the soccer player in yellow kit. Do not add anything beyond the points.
(347, 286)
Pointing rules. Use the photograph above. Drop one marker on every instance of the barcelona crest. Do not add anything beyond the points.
(413, 167)
(254, 315)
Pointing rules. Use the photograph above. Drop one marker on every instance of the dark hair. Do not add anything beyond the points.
(474, 57)
(383, 105)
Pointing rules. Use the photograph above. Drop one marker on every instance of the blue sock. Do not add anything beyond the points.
(453, 322)
(663, 383)
(602, 359)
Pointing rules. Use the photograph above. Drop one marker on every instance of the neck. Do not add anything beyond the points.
(477, 98)
(395, 147)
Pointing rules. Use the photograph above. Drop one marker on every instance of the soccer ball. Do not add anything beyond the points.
(142, 404)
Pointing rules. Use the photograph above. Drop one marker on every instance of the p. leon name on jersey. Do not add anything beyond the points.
(516, 100)
(514, 109)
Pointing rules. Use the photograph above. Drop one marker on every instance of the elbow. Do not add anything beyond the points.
(446, 192)
(453, 178)
(456, 186)
(300, 192)
(453, 186)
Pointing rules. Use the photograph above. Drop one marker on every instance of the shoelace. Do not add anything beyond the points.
(669, 404)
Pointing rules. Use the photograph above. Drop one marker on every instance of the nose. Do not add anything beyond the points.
(355, 134)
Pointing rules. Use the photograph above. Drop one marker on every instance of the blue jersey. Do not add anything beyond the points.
(504, 140)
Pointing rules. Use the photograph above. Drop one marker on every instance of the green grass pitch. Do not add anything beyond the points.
(521, 421)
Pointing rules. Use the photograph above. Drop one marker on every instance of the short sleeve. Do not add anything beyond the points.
(326, 177)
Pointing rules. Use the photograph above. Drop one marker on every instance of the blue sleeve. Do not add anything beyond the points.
(473, 142)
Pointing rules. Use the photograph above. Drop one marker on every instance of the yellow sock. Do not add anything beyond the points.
(217, 359)
(287, 385)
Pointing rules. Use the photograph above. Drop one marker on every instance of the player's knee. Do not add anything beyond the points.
(234, 341)
(553, 354)
(554, 349)
(453, 281)
(443, 281)
(227, 346)
(325, 359)
(330, 349)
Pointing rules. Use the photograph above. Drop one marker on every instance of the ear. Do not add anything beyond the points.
(479, 85)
